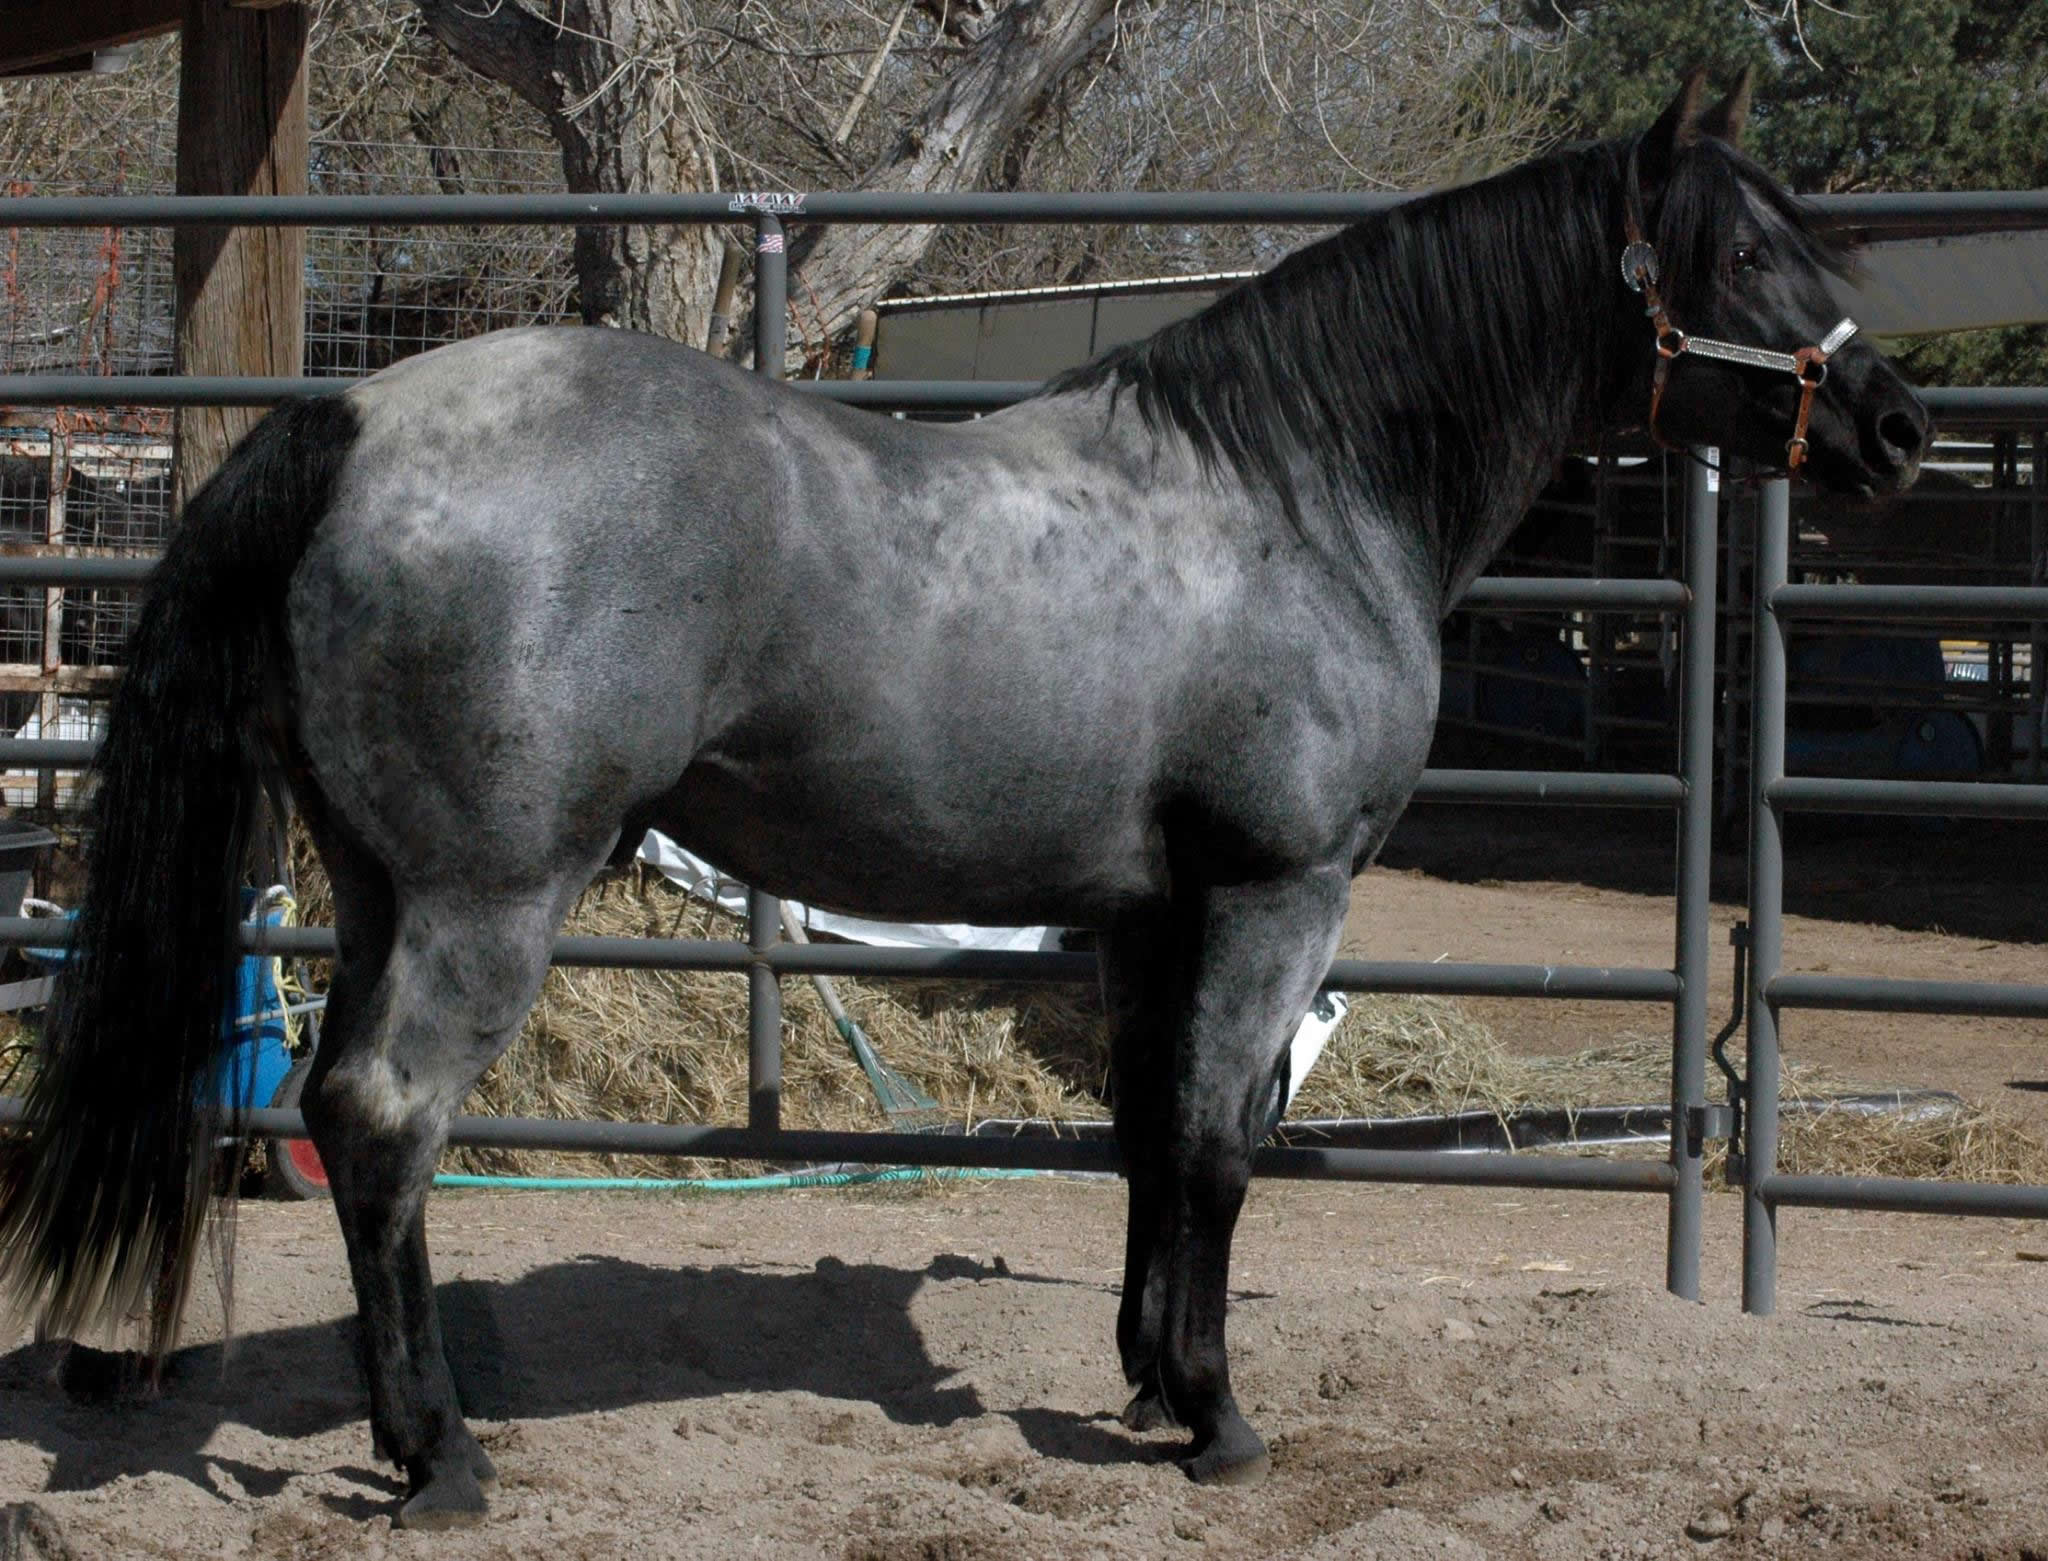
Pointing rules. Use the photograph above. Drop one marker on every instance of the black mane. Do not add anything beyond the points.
(1411, 356)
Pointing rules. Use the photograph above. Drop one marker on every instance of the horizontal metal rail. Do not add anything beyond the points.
(1493, 591)
(257, 390)
(1912, 601)
(1957, 407)
(1604, 983)
(1565, 787)
(1955, 212)
(1969, 407)
(1123, 208)
(49, 753)
(1903, 1195)
(1630, 984)
(1895, 995)
(1941, 799)
(1566, 595)
(1488, 1169)
(56, 569)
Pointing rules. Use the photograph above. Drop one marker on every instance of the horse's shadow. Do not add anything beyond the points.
(591, 1334)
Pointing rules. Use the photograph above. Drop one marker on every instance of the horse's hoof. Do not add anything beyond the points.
(454, 1498)
(481, 1466)
(1233, 1456)
(1147, 1411)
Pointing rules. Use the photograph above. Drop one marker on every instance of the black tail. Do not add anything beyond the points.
(102, 1209)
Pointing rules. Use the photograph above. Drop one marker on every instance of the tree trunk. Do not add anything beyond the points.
(606, 73)
(1006, 78)
(627, 123)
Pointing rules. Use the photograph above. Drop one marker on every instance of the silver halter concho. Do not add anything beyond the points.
(1809, 365)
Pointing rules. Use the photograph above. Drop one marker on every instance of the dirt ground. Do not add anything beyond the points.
(930, 1372)
(1961, 901)
(1443, 1373)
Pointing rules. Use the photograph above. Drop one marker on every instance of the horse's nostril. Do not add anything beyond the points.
(1902, 434)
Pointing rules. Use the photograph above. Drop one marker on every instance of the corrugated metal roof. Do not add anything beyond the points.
(1162, 284)
(1913, 287)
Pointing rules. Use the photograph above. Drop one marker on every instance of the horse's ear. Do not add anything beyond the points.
(1724, 121)
(1676, 128)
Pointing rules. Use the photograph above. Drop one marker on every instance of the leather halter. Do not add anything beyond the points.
(1808, 365)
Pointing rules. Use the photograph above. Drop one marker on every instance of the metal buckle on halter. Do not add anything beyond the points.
(1638, 265)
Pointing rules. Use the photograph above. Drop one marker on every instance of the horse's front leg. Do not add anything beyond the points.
(1140, 993)
(1259, 952)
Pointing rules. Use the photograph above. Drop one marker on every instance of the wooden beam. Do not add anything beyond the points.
(46, 32)
(26, 678)
(240, 291)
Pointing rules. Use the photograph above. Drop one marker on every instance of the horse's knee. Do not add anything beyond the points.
(1213, 1170)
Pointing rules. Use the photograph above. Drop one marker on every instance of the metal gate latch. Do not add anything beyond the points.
(1705, 1122)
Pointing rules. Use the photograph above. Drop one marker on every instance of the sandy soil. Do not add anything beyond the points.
(930, 1373)
(1441, 1373)
(1963, 902)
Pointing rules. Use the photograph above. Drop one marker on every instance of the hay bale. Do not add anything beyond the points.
(671, 1046)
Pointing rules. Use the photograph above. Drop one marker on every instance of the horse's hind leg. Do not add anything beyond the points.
(1140, 994)
(418, 1009)
(1257, 954)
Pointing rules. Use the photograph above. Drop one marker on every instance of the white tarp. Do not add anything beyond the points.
(698, 877)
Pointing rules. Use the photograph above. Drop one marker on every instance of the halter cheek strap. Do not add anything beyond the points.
(1808, 365)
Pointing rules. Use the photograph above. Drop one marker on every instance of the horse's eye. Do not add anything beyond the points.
(1744, 258)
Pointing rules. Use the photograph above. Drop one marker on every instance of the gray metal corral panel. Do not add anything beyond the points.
(1122, 317)
(1032, 339)
(927, 343)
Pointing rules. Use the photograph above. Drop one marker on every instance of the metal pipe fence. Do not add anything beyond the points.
(1867, 216)
(765, 957)
(1772, 989)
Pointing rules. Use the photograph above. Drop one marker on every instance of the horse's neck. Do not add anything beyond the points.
(1479, 509)
(1519, 392)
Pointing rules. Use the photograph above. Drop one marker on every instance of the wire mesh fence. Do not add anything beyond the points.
(376, 295)
(101, 301)
(89, 300)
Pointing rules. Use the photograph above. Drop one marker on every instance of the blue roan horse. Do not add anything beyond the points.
(1154, 652)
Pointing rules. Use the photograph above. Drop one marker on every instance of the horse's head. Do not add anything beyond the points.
(1745, 347)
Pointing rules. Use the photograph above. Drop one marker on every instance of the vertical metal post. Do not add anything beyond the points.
(2037, 574)
(1695, 868)
(1740, 544)
(1598, 660)
(50, 707)
(764, 911)
(1766, 898)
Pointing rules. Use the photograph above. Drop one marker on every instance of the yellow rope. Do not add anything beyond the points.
(288, 986)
